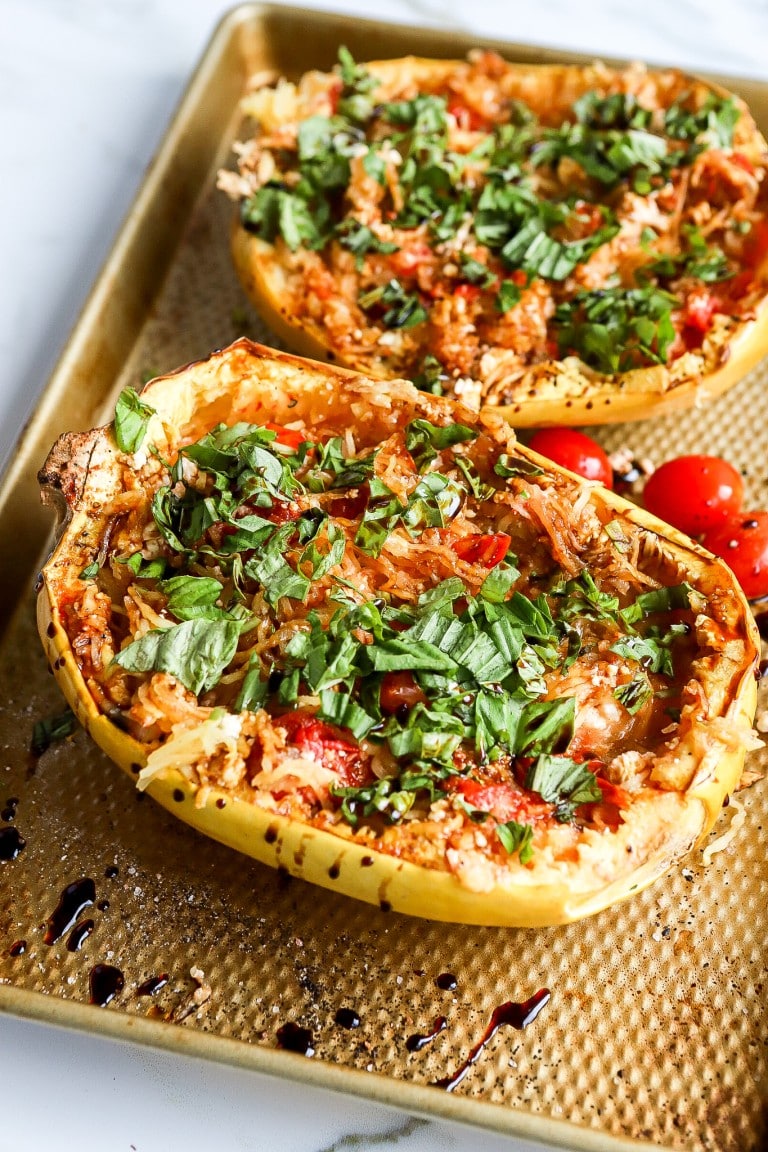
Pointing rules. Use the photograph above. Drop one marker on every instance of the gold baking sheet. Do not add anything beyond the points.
(655, 1033)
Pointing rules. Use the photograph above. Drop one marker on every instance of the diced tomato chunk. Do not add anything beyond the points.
(700, 308)
(287, 436)
(488, 550)
(399, 690)
(743, 161)
(467, 291)
(407, 260)
(334, 94)
(756, 244)
(328, 745)
(467, 119)
(504, 801)
(350, 507)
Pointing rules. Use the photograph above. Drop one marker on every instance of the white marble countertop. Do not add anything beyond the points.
(87, 88)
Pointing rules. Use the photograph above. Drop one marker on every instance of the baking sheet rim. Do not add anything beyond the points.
(387, 1091)
(422, 1100)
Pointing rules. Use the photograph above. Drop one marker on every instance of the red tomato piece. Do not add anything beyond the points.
(488, 550)
(694, 493)
(743, 543)
(399, 690)
(700, 308)
(467, 291)
(407, 260)
(576, 451)
(467, 119)
(503, 801)
(287, 436)
(350, 507)
(756, 244)
(328, 745)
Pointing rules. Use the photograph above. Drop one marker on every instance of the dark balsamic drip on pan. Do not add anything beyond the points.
(418, 1041)
(516, 1015)
(347, 1018)
(294, 1038)
(446, 982)
(74, 898)
(11, 843)
(104, 981)
(153, 984)
(111, 872)
(79, 935)
(9, 812)
(18, 948)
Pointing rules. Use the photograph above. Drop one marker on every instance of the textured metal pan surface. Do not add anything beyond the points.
(655, 1030)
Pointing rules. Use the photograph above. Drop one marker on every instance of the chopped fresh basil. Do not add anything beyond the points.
(49, 731)
(196, 652)
(616, 329)
(132, 418)
(564, 783)
(635, 694)
(90, 571)
(425, 440)
(518, 838)
(273, 571)
(404, 310)
(668, 599)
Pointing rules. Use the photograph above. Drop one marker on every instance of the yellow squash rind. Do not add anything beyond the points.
(574, 394)
(259, 383)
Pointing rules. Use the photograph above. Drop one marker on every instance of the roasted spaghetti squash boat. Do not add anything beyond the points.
(372, 640)
(572, 244)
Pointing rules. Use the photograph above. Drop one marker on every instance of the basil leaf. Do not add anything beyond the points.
(193, 597)
(507, 465)
(518, 838)
(132, 418)
(322, 562)
(48, 731)
(635, 694)
(508, 295)
(405, 309)
(359, 239)
(546, 723)
(339, 708)
(499, 582)
(431, 377)
(496, 717)
(648, 651)
(274, 573)
(657, 600)
(425, 440)
(253, 691)
(564, 783)
(196, 652)
(90, 571)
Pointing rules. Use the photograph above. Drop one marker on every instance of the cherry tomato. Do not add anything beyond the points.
(694, 493)
(574, 450)
(487, 550)
(743, 543)
(287, 436)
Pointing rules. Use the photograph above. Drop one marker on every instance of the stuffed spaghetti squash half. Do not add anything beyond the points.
(573, 244)
(367, 637)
